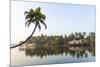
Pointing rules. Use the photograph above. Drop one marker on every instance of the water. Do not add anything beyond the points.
(51, 55)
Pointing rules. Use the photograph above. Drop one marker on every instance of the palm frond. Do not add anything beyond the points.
(43, 23)
(26, 12)
(43, 17)
(28, 24)
(27, 17)
(38, 25)
(37, 10)
(28, 21)
(32, 11)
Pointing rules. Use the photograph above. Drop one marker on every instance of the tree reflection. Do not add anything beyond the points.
(74, 51)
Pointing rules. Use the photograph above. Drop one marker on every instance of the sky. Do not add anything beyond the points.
(61, 19)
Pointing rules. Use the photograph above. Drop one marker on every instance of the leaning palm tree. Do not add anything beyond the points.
(36, 17)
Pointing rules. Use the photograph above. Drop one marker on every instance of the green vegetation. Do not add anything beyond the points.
(74, 51)
(62, 40)
(91, 38)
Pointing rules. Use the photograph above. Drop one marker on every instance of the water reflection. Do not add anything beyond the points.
(44, 51)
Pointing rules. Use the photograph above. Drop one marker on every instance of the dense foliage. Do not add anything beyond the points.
(62, 39)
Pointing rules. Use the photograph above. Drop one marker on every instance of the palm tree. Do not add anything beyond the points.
(36, 17)
(80, 35)
(76, 35)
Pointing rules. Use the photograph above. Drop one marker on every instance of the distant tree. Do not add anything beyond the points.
(76, 35)
(91, 38)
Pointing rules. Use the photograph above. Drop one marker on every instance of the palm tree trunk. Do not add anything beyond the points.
(26, 39)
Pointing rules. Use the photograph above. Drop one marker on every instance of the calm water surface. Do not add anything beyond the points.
(51, 55)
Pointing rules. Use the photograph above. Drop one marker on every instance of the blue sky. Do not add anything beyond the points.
(60, 19)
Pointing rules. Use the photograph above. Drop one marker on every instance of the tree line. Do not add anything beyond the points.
(61, 39)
